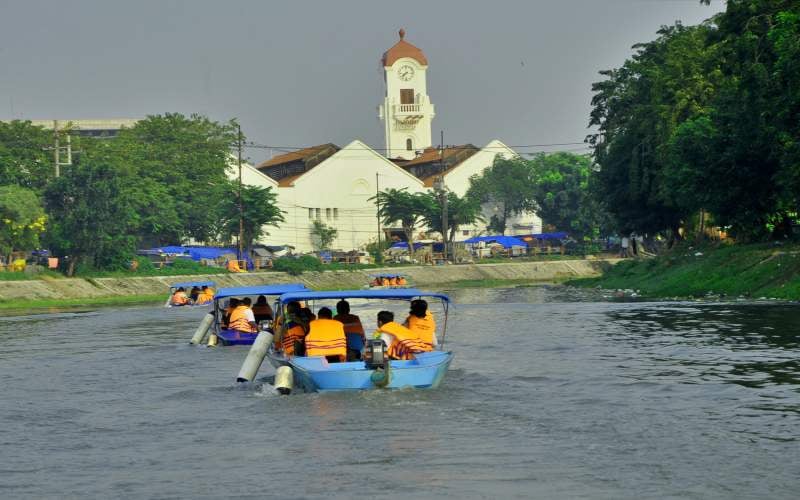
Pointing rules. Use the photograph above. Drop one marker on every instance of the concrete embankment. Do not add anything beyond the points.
(420, 276)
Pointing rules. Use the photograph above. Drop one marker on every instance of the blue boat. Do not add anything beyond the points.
(187, 285)
(316, 374)
(234, 337)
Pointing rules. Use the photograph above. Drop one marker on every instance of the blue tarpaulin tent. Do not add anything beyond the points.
(505, 241)
(197, 253)
(404, 244)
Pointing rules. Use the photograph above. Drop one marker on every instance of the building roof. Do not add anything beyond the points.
(403, 49)
(427, 166)
(286, 168)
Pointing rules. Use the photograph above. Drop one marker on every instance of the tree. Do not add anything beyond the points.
(461, 211)
(22, 220)
(508, 185)
(260, 209)
(399, 205)
(562, 194)
(93, 215)
(24, 159)
(324, 234)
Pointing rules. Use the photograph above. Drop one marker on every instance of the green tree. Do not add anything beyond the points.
(24, 158)
(323, 234)
(93, 215)
(508, 185)
(22, 220)
(398, 205)
(562, 194)
(461, 211)
(260, 210)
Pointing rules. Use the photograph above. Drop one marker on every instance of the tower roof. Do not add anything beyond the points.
(403, 49)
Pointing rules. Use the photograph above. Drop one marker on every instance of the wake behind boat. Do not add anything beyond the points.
(374, 369)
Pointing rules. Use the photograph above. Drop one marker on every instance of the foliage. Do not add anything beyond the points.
(507, 185)
(297, 265)
(22, 219)
(24, 158)
(259, 209)
(376, 249)
(461, 211)
(562, 194)
(324, 235)
(399, 205)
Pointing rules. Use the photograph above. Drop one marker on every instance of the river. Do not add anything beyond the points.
(554, 393)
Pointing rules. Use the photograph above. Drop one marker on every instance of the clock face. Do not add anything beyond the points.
(405, 72)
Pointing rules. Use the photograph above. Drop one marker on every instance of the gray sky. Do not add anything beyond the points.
(299, 73)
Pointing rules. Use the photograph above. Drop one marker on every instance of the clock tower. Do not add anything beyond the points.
(406, 111)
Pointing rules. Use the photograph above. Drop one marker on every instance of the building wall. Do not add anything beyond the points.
(337, 192)
(396, 135)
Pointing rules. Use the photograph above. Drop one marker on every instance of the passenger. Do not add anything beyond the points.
(393, 281)
(293, 340)
(206, 295)
(326, 337)
(242, 318)
(262, 310)
(179, 298)
(233, 267)
(375, 282)
(353, 330)
(402, 281)
(384, 281)
(421, 322)
(307, 312)
(233, 303)
(402, 343)
(194, 293)
(291, 313)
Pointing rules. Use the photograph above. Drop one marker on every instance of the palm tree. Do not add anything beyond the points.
(460, 212)
(407, 208)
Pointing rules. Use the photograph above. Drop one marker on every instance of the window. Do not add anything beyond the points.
(310, 213)
(409, 145)
(406, 96)
(335, 214)
(328, 213)
(317, 212)
(465, 233)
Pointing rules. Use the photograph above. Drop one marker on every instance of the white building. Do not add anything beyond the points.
(334, 185)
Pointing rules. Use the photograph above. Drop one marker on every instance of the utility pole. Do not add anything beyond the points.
(241, 206)
(444, 195)
(57, 164)
(56, 149)
(378, 206)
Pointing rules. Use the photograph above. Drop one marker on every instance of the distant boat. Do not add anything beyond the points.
(188, 286)
(382, 281)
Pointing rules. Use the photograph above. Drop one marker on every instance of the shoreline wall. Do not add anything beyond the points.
(420, 276)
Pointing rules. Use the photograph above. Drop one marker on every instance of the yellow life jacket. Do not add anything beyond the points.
(205, 297)
(293, 333)
(179, 298)
(404, 342)
(239, 321)
(402, 281)
(424, 328)
(326, 338)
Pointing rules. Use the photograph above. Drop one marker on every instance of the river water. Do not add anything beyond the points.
(554, 393)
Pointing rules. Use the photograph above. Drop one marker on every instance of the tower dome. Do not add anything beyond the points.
(403, 49)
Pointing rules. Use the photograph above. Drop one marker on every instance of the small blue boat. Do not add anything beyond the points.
(187, 285)
(235, 337)
(316, 374)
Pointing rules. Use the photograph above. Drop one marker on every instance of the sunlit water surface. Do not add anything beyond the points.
(553, 393)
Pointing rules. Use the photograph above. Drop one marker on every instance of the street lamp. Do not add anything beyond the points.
(441, 189)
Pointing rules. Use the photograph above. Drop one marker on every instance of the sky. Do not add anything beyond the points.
(301, 73)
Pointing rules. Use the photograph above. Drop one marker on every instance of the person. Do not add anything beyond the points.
(401, 281)
(402, 343)
(376, 281)
(353, 330)
(623, 246)
(262, 310)
(293, 338)
(421, 322)
(206, 295)
(242, 318)
(281, 325)
(308, 314)
(393, 281)
(233, 267)
(194, 293)
(179, 298)
(233, 303)
(326, 337)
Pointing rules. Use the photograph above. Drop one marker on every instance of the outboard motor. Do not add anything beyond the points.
(375, 354)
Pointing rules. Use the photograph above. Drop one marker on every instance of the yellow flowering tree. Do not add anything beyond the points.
(22, 220)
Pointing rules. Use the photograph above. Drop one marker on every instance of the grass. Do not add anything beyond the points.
(761, 270)
(21, 305)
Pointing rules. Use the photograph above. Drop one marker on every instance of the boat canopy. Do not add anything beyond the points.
(190, 284)
(387, 275)
(239, 291)
(394, 293)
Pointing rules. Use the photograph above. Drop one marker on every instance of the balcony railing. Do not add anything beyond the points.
(407, 108)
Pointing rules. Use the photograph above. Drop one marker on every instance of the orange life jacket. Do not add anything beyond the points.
(402, 281)
(392, 281)
(239, 322)
(179, 298)
(326, 338)
(204, 298)
(294, 332)
(424, 328)
(404, 342)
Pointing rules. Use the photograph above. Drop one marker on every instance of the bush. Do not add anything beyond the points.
(187, 265)
(296, 266)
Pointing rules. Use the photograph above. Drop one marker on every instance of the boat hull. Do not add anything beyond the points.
(235, 337)
(315, 374)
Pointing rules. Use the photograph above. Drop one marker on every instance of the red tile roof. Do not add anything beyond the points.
(288, 167)
(403, 49)
(427, 166)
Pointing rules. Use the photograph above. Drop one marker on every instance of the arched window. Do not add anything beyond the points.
(409, 146)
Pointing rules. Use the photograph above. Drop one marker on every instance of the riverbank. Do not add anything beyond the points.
(67, 292)
(751, 271)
